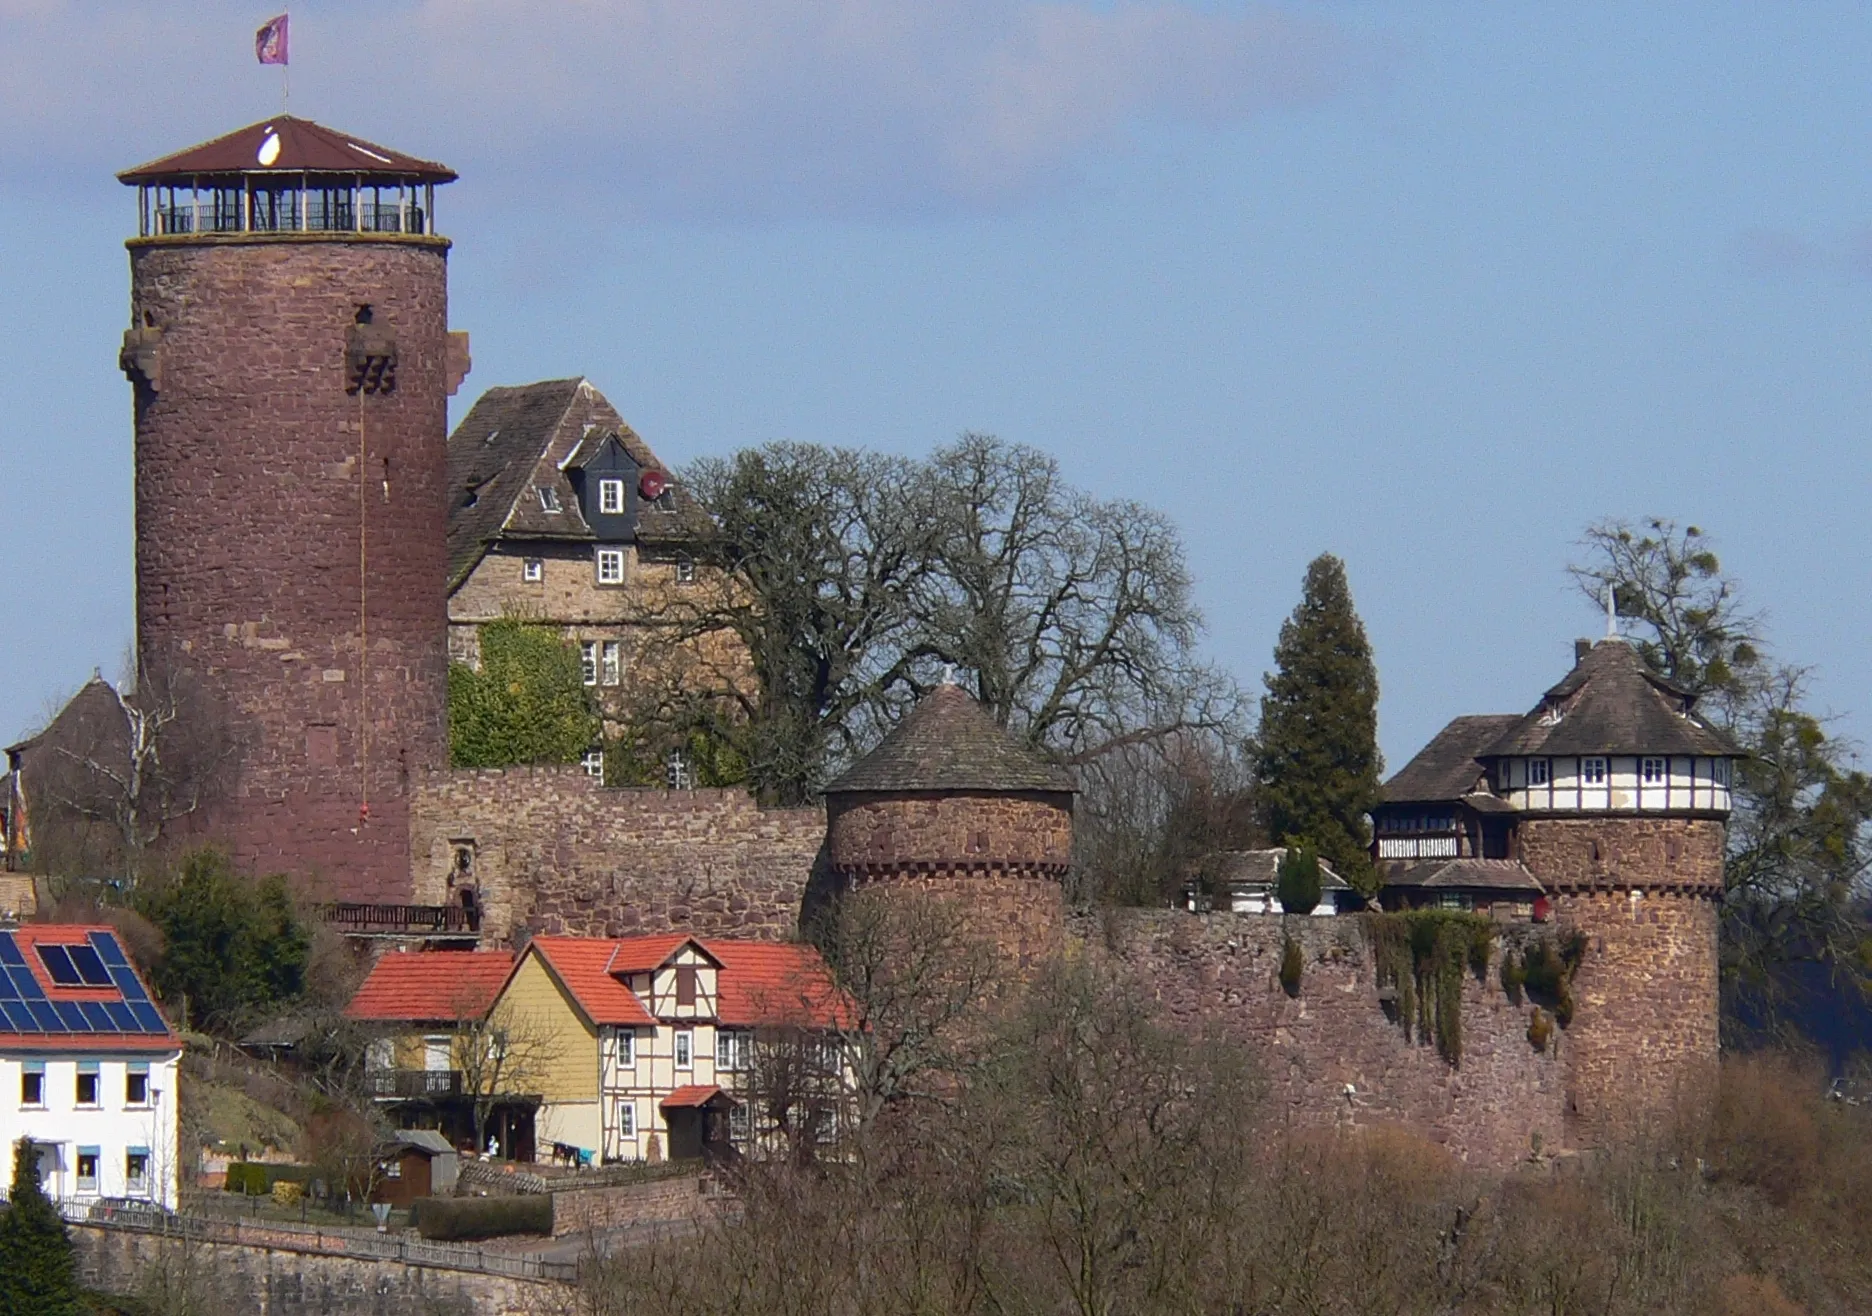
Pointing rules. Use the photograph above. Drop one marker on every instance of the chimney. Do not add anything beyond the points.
(1580, 649)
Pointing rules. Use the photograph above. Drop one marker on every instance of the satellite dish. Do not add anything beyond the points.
(652, 484)
(269, 150)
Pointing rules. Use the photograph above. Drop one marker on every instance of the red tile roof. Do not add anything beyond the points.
(777, 983)
(304, 147)
(431, 986)
(692, 1096)
(583, 967)
(642, 954)
(29, 935)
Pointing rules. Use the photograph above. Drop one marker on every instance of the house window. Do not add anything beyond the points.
(731, 1049)
(136, 1084)
(627, 1047)
(549, 498)
(87, 1094)
(533, 571)
(627, 1118)
(32, 1083)
(136, 1170)
(610, 566)
(87, 1169)
(1592, 771)
(380, 1054)
(1504, 773)
(592, 760)
(436, 1054)
(588, 661)
(685, 570)
(611, 497)
(1719, 771)
(611, 668)
(685, 1047)
(1654, 772)
(738, 1123)
(685, 984)
(1537, 772)
(676, 771)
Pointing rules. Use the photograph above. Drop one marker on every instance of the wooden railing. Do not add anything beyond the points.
(404, 920)
(392, 1084)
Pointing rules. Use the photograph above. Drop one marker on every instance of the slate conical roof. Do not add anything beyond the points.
(949, 743)
(1611, 703)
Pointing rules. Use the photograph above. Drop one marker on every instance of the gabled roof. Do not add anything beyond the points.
(1463, 874)
(693, 1096)
(948, 742)
(1611, 703)
(94, 1002)
(304, 147)
(644, 954)
(777, 984)
(1447, 769)
(517, 440)
(430, 986)
(582, 966)
(1261, 868)
(92, 721)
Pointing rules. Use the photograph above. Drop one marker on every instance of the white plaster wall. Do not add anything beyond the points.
(113, 1126)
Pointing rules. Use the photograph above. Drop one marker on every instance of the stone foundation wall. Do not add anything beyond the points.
(1331, 1054)
(668, 1201)
(551, 850)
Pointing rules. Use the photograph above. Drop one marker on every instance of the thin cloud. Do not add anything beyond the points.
(676, 106)
(1776, 253)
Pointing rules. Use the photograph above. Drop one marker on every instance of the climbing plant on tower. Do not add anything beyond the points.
(1316, 753)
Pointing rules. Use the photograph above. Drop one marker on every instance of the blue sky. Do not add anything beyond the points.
(1431, 286)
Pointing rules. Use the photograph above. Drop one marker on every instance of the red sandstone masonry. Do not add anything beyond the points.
(248, 507)
(1224, 969)
(556, 852)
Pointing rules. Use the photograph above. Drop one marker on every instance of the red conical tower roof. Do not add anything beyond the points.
(285, 145)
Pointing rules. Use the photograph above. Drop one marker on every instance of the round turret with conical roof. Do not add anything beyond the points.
(1620, 794)
(951, 802)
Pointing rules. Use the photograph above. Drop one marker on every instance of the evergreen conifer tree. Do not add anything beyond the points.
(1316, 754)
(37, 1274)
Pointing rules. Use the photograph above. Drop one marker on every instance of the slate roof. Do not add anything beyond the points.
(948, 742)
(1463, 874)
(1261, 868)
(515, 440)
(1447, 768)
(1611, 703)
(305, 147)
(430, 986)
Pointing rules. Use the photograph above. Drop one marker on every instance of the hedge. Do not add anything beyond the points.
(447, 1219)
(256, 1178)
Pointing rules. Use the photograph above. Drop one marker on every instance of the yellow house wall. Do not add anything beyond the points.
(564, 1061)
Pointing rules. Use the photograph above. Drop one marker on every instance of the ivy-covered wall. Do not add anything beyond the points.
(1334, 1050)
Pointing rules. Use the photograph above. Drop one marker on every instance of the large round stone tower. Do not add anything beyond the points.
(951, 803)
(1621, 794)
(291, 361)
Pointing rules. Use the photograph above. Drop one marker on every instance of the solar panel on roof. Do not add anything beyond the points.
(46, 1017)
(146, 1016)
(95, 1016)
(90, 968)
(9, 950)
(19, 1018)
(58, 963)
(24, 983)
(8, 992)
(127, 983)
(106, 947)
(122, 1021)
(71, 1016)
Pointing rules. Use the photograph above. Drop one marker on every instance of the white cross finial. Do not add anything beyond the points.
(1611, 614)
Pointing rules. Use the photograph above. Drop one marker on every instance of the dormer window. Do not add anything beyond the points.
(1654, 772)
(549, 498)
(1593, 771)
(1537, 772)
(610, 497)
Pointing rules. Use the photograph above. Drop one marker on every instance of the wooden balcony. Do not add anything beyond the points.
(363, 920)
(413, 1084)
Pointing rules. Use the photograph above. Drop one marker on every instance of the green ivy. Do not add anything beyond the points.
(526, 703)
(1421, 954)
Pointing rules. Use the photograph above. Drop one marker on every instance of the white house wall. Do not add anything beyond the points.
(112, 1126)
(1689, 784)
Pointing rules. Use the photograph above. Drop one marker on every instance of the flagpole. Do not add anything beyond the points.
(286, 74)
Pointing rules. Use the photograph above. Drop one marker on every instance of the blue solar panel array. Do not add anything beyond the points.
(25, 1009)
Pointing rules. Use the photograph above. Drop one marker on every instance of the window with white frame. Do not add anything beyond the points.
(549, 498)
(1592, 771)
(1654, 772)
(610, 566)
(611, 497)
(731, 1049)
(588, 661)
(611, 664)
(738, 1122)
(685, 1048)
(136, 1170)
(533, 571)
(627, 1047)
(676, 771)
(685, 569)
(1537, 772)
(592, 760)
(626, 1117)
(1719, 771)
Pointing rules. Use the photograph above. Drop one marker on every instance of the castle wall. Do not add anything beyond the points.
(554, 851)
(250, 497)
(1223, 970)
(1644, 891)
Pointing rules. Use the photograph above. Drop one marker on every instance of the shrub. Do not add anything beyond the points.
(37, 1271)
(1513, 975)
(246, 1178)
(1539, 1029)
(1297, 882)
(447, 1219)
(286, 1192)
(1292, 964)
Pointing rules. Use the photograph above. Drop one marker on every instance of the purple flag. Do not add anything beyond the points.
(270, 42)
